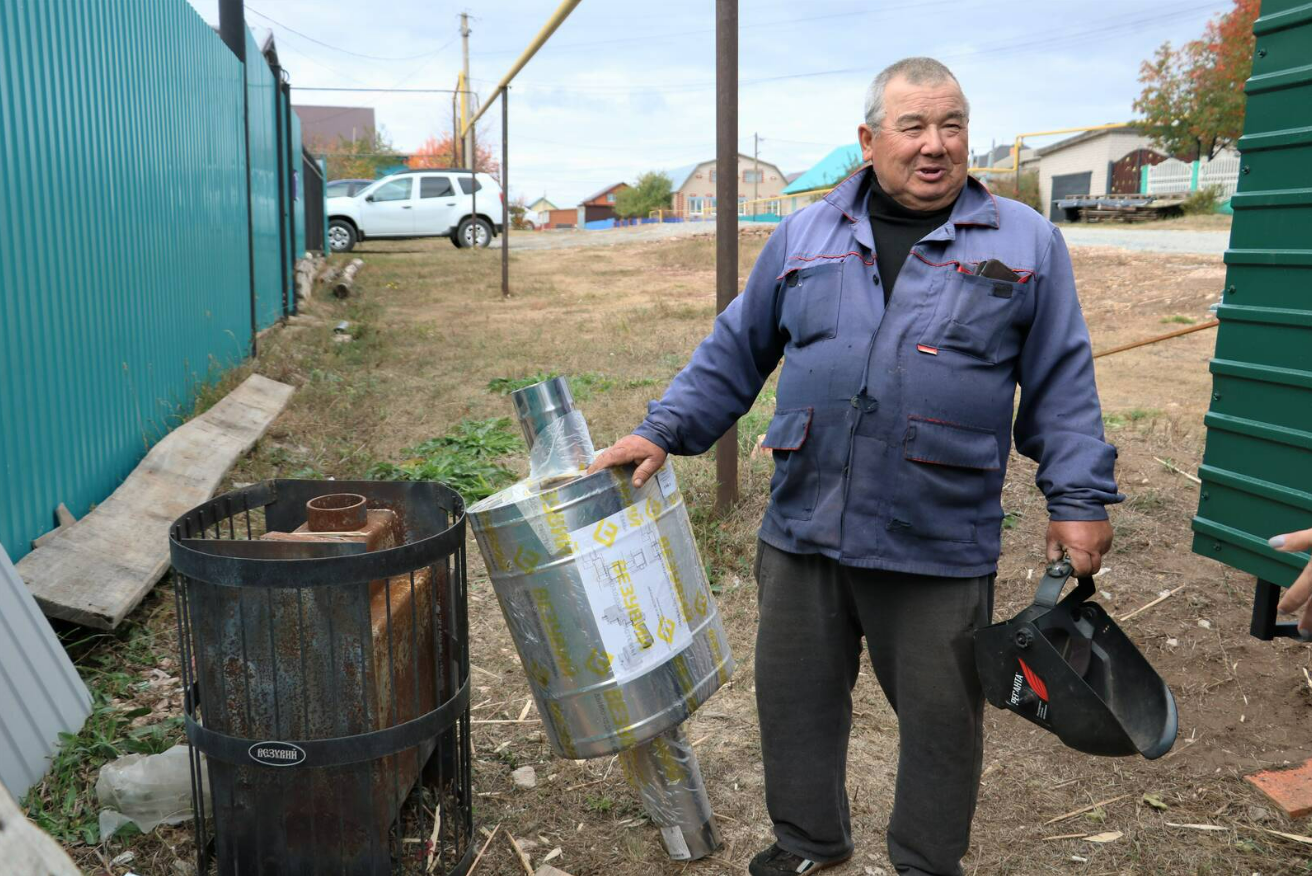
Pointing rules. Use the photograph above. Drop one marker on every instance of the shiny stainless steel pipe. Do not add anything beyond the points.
(537, 406)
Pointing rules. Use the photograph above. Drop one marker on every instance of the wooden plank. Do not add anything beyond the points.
(97, 570)
(25, 848)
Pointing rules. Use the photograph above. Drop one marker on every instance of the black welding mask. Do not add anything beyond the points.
(1065, 665)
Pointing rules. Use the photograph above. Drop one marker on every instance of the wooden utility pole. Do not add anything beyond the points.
(464, 98)
(455, 134)
(505, 192)
(726, 217)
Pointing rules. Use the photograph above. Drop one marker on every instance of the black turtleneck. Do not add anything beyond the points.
(897, 229)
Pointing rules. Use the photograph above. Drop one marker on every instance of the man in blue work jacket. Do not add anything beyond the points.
(907, 306)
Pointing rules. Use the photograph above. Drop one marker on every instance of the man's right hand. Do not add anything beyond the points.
(631, 449)
(1299, 595)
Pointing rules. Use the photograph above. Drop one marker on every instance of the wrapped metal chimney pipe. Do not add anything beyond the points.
(665, 773)
(606, 598)
(559, 444)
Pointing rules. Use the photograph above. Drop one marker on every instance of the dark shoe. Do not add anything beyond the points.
(774, 861)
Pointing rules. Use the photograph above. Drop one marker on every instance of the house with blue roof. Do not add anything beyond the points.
(828, 171)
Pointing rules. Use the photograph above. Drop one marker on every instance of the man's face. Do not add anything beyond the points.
(920, 152)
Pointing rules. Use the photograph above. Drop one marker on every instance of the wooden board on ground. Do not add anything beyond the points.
(25, 848)
(97, 570)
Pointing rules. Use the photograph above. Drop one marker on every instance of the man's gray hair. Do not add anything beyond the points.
(917, 71)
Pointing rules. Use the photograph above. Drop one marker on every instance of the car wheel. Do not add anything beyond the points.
(341, 236)
(474, 232)
(455, 239)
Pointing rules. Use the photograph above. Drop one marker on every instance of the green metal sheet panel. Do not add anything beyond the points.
(266, 211)
(123, 262)
(1257, 466)
(294, 156)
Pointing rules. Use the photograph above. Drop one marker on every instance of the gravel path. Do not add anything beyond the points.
(1149, 240)
(1139, 239)
(612, 236)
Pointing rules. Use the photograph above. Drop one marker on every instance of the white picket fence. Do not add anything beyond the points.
(1221, 172)
(1173, 175)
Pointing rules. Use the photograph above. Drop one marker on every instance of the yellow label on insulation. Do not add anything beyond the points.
(634, 589)
(555, 635)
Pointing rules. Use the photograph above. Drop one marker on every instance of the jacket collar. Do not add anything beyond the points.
(975, 206)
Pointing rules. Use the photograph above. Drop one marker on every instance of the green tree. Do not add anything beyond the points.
(361, 158)
(652, 191)
(1193, 97)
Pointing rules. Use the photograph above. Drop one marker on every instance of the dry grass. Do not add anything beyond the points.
(434, 331)
(1201, 222)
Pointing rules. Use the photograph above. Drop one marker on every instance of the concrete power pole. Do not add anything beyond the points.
(469, 135)
(756, 178)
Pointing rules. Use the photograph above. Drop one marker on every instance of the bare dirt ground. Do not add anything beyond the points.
(433, 331)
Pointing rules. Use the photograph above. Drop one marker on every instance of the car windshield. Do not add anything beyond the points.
(337, 189)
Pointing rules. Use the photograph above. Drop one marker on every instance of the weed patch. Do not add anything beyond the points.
(114, 666)
(582, 386)
(1117, 421)
(464, 459)
(1178, 319)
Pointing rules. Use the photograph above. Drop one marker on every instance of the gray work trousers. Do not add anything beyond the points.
(813, 614)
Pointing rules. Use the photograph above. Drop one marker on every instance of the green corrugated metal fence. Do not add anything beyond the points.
(1257, 469)
(296, 162)
(266, 224)
(124, 280)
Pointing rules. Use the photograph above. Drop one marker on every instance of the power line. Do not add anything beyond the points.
(1055, 39)
(342, 50)
(749, 26)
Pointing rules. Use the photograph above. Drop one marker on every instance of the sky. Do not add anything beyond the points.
(622, 88)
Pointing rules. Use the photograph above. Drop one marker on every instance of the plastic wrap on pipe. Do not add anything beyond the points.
(667, 777)
(562, 448)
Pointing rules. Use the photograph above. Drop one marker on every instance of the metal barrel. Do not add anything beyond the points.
(538, 405)
(323, 635)
(608, 603)
(667, 777)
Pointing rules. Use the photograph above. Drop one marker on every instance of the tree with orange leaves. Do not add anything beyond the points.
(1193, 97)
(437, 152)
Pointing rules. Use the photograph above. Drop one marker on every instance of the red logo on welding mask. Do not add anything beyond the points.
(1034, 681)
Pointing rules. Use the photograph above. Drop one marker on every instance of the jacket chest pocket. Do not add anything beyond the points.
(975, 315)
(812, 298)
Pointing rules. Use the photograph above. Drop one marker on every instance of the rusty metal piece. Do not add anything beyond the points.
(1211, 323)
(336, 512)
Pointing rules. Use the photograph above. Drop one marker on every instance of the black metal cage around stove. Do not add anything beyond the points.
(327, 677)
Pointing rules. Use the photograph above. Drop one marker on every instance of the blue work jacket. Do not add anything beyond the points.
(892, 426)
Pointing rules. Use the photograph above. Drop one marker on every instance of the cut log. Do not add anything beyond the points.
(306, 269)
(344, 284)
(97, 570)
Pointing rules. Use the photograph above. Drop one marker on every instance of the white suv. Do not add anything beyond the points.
(458, 204)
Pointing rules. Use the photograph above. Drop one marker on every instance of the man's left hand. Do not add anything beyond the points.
(1084, 540)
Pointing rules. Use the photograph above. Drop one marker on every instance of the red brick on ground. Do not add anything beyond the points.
(1289, 789)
